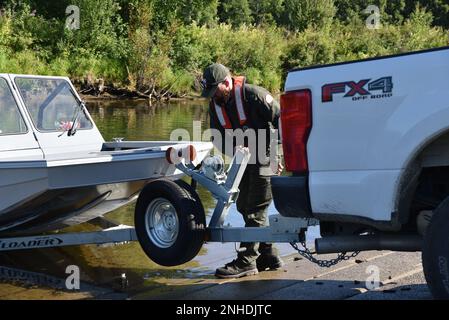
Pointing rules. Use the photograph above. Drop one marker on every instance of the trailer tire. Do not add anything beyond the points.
(435, 255)
(187, 187)
(180, 228)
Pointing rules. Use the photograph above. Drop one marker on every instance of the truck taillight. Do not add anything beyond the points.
(296, 122)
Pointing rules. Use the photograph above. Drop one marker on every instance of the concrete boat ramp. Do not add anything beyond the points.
(400, 277)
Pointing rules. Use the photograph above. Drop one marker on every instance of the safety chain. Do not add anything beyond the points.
(322, 263)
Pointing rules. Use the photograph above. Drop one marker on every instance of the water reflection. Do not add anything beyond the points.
(137, 120)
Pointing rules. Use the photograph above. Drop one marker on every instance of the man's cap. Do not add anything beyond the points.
(213, 75)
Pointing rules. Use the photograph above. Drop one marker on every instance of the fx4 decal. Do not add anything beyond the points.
(351, 88)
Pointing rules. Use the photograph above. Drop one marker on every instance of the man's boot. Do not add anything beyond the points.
(269, 258)
(236, 269)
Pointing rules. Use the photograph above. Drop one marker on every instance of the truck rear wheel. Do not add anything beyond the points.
(435, 256)
(170, 223)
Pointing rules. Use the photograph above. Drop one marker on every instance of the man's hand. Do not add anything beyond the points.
(280, 169)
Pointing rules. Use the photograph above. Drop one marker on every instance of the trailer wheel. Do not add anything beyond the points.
(187, 187)
(435, 255)
(170, 223)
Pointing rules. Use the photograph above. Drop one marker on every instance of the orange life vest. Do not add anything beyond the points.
(238, 104)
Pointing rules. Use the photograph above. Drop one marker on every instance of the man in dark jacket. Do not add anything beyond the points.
(234, 104)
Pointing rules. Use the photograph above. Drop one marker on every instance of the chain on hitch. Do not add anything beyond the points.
(306, 253)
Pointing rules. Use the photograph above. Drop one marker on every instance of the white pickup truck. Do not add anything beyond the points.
(367, 143)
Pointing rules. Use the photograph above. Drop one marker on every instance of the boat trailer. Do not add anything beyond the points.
(167, 236)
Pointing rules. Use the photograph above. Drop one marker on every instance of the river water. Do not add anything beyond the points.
(110, 265)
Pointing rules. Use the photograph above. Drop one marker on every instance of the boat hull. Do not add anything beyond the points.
(57, 209)
(40, 196)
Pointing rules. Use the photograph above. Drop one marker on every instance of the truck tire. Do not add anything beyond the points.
(170, 223)
(435, 255)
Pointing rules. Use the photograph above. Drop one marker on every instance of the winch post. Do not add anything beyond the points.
(226, 193)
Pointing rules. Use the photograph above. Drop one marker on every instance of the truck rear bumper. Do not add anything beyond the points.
(291, 196)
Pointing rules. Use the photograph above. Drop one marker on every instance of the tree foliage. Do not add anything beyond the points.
(160, 47)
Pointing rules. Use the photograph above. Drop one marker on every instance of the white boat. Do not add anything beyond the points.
(56, 170)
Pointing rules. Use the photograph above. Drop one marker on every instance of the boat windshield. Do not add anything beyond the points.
(52, 104)
(11, 121)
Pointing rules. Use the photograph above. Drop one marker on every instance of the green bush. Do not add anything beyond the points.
(246, 50)
(355, 41)
(160, 47)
